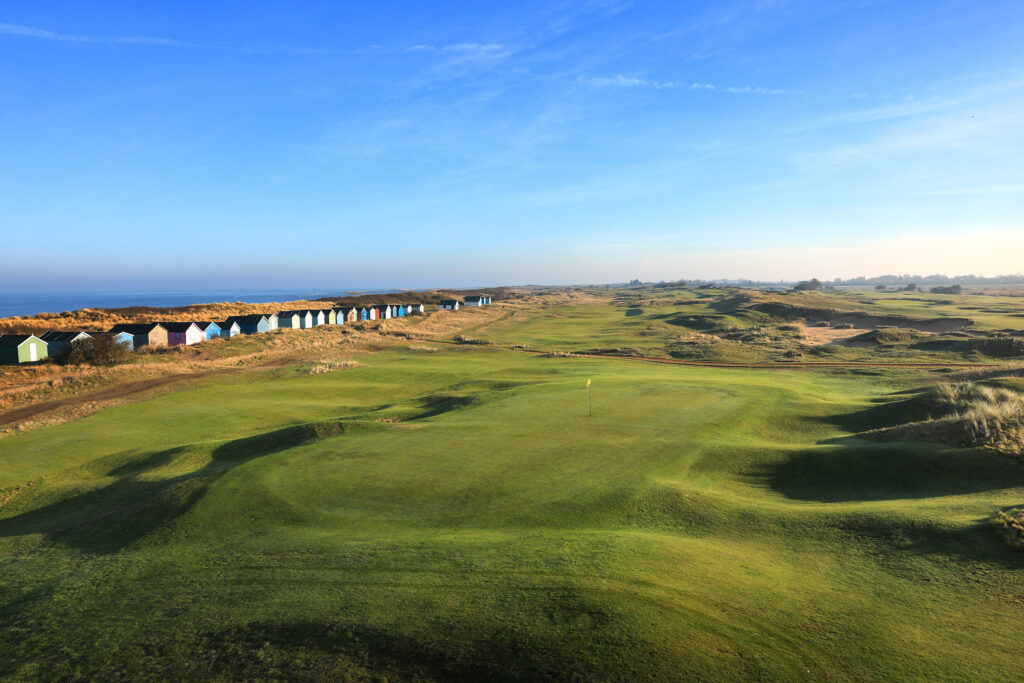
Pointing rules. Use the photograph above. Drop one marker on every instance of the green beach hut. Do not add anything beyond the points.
(21, 348)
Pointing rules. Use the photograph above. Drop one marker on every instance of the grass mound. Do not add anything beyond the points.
(994, 346)
(888, 335)
(1010, 525)
(969, 414)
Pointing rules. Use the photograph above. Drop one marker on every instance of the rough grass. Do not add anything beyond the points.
(1010, 525)
(971, 414)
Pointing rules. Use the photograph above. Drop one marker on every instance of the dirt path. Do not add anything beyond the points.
(110, 393)
(135, 387)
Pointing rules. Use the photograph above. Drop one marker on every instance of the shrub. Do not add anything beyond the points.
(1010, 526)
(101, 349)
(464, 339)
(952, 289)
(812, 285)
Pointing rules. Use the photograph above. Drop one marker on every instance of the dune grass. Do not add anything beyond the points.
(457, 515)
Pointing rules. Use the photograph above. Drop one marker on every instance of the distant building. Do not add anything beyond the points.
(143, 334)
(60, 342)
(123, 338)
(21, 348)
(229, 328)
(254, 323)
(183, 334)
(473, 301)
(211, 330)
(289, 319)
(448, 305)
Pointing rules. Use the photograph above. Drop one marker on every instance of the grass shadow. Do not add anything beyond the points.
(855, 469)
(118, 515)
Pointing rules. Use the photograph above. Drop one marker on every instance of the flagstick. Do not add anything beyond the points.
(590, 400)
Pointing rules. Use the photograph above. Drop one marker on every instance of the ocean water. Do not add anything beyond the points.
(23, 304)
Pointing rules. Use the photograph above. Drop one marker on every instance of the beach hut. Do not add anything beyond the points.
(473, 301)
(254, 323)
(143, 334)
(374, 312)
(318, 317)
(385, 311)
(211, 330)
(183, 334)
(288, 319)
(399, 311)
(332, 316)
(364, 313)
(21, 348)
(448, 305)
(272, 319)
(229, 328)
(60, 342)
(416, 308)
(305, 319)
(123, 338)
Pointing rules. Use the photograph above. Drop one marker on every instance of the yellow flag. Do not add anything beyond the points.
(588, 382)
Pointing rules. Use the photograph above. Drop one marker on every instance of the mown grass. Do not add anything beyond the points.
(457, 515)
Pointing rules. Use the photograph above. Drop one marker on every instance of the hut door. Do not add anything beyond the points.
(32, 352)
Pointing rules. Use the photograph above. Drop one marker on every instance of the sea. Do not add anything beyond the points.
(28, 304)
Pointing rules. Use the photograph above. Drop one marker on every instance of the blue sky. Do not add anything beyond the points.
(407, 144)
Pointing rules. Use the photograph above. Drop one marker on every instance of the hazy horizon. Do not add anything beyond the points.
(401, 146)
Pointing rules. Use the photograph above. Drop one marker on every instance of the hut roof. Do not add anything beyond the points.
(178, 327)
(55, 335)
(136, 328)
(15, 340)
(251, 319)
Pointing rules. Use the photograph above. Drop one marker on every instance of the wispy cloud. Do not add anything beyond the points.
(620, 81)
(471, 47)
(32, 32)
(43, 34)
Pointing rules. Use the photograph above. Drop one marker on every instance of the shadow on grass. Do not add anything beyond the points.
(885, 413)
(859, 470)
(470, 650)
(976, 542)
(116, 516)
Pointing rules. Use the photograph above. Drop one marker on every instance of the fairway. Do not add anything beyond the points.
(453, 513)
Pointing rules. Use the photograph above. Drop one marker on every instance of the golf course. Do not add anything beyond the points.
(443, 497)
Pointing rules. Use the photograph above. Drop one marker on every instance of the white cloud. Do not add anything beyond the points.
(31, 32)
(472, 47)
(620, 81)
